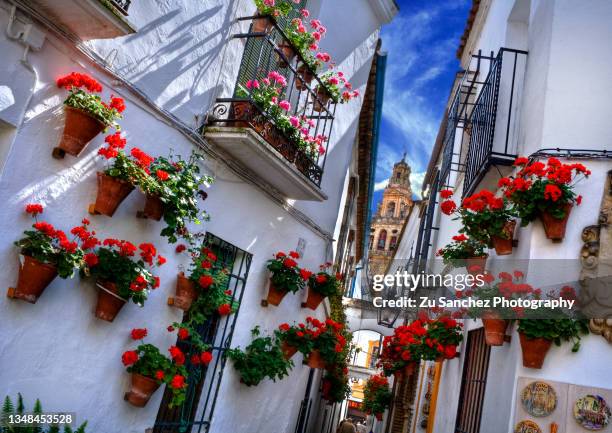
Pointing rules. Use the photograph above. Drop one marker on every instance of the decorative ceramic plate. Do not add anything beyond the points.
(592, 412)
(539, 399)
(527, 426)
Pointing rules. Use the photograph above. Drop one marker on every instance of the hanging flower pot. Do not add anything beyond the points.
(109, 302)
(495, 329)
(80, 128)
(476, 265)
(288, 350)
(141, 390)
(503, 245)
(555, 227)
(304, 77)
(534, 350)
(288, 52)
(34, 277)
(379, 416)
(186, 292)
(315, 360)
(111, 192)
(321, 100)
(407, 371)
(153, 208)
(314, 299)
(262, 24)
(275, 296)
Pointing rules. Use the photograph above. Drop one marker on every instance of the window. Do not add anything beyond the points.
(382, 240)
(473, 384)
(390, 208)
(203, 384)
(393, 243)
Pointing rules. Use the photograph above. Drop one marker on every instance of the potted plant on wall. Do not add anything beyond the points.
(149, 368)
(464, 251)
(267, 10)
(334, 86)
(47, 252)
(285, 276)
(262, 358)
(545, 191)
(321, 285)
(539, 328)
(294, 339)
(376, 396)
(335, 384)
(328, 343)
(176, 199)
(120, 178)
(485, 218)
(86, 114)
(121, 276)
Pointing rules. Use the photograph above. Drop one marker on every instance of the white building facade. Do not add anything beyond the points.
(534, 83)
(171, 61)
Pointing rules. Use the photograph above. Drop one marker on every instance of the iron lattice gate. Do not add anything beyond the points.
(473, 383)
(195, 414)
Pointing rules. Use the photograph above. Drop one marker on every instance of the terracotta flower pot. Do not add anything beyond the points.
(186, 292)
(503, 246)
(534, 351)
(153, 208)
(379, 416)
(303, 78)
(315, 360)
(111, 192)
(141, 390)
(554, 227)
(109, 302)
(407, 371)
(288, 52)
(288, 350)
(476, 265)
(262, 24)
(314, 299)
(321, 101)
(80, 128)
(275, 296)
(495, 329)
(34, 277)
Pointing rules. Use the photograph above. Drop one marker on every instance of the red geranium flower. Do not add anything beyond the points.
(34, 209)
(205, 281)
(162, 175)
(117, 104)
(177, 355)
(180, 248)
(289, 263)
(284, 327)
(178, 381)
(129, 357)
(159, 375)
(183, 333)
(448, 207)
(294, 254)
(139, 333)
(224, 309)
(161, 260)
(446, 193)
(91, 259)
(206, 357)
(305, 274)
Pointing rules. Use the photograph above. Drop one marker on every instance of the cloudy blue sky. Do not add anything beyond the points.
(421, 43)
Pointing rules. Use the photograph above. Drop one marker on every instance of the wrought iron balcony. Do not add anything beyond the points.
(484, 112)
(244, 129)
(87, 19)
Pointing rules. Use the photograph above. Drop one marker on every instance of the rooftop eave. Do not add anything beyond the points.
(385, 10)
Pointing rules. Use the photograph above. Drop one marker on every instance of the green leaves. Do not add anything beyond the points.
(93, 105)
(557, 330)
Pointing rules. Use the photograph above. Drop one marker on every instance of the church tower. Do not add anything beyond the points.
(390, 215)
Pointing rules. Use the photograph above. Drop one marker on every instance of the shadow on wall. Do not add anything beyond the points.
(185, 54)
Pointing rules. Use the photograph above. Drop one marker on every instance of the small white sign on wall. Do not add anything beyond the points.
(301, 247)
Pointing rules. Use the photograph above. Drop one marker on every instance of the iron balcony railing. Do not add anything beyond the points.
(122, 5)
(493, 128)
(266, 52)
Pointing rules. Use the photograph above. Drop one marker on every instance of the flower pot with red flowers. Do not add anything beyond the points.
(262, 358)
(377, 396)
(334, 86)
(178, 195)
(86, 114)
(545, 191)
(542, 327)
(266, 10)
(46, 252)
(464, 251)
(484, 217)
(335, 384)
(328, 342)
(121, 276)
(285, 276)
(294, 339)
(321, 285)
(149, 368)
(262, 110)
(122, 176)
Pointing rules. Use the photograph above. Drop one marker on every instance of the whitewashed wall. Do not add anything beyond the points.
(58, 351)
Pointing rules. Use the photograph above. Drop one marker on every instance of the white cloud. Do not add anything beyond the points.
(379, 186)
(416, 181)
